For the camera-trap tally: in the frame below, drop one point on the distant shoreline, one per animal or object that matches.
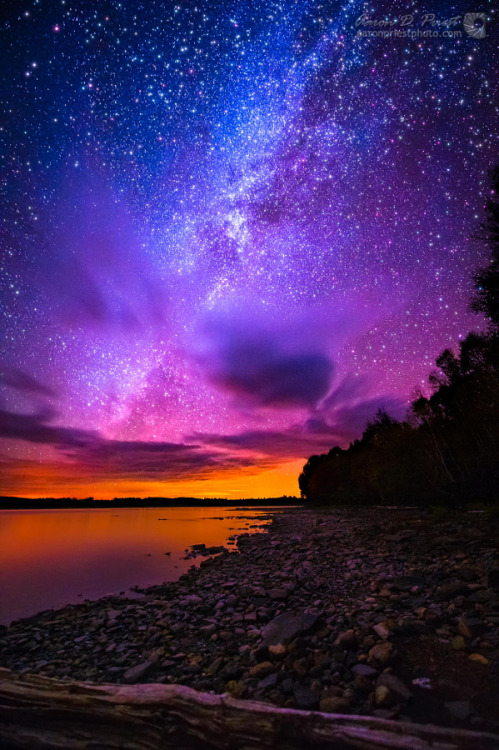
(22, 503)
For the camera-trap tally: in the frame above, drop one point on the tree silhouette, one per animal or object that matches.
(447, 450)
(486, 297)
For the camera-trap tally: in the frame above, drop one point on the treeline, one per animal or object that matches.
(446, 452)
(55, 503)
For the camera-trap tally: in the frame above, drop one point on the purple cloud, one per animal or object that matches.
(265, 362)
(24, 383)
(339, 419)
(93, 268)
(104, 458)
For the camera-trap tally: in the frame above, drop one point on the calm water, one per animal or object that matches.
(50, 558)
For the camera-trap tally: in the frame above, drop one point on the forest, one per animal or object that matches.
(446, 450)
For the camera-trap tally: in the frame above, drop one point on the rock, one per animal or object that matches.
(231, 671)
(287, 626)
(268, 681)
(458, 643)
(381, 630)
(364, 670)
(208, 629)
(262, 669)
(235, 688)
(479, 658)
(139, 672)
(334, 705)
(261, 653)
(395, 686)
(278, 650)
(191, 599)
(215, 550)
(305, 698)
(215, 665)
(381, 654)
(300, 667)
(278, 594)
(449, 590)
(464, 629)
(459, 709)
(423, 682)
(383, 697)
(346, 639)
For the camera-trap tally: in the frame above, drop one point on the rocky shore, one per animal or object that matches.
(380, 612)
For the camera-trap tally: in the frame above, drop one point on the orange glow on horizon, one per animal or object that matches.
(32, 480)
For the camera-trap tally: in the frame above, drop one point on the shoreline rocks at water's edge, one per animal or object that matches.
(370, 611)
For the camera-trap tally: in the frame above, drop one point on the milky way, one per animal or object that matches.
(231, 231)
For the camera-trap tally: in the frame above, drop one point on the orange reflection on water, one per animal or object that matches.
(49, 557)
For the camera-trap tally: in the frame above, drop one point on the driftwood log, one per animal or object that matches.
(38, 713)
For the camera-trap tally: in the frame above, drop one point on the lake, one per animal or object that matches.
(50, 558)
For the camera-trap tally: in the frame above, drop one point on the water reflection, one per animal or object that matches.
(50, 558)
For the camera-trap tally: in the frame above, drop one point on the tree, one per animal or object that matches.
(486, 299)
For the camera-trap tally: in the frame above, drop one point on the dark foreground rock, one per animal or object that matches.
(374, 612)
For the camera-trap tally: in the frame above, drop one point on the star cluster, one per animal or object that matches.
(230, 232)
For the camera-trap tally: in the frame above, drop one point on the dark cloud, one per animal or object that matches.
(36, 428)
(272, 444)
(24, 383)
(284, 366)
(271, 377)
(104, 458)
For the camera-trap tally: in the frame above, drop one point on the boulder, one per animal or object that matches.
(286, 626)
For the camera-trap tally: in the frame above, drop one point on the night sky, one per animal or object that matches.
(230, 232)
